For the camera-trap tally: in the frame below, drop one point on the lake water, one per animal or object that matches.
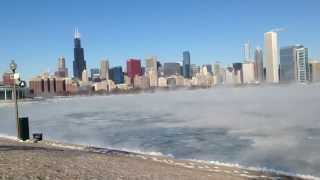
(276, 127)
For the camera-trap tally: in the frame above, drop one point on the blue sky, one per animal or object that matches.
(37, 32)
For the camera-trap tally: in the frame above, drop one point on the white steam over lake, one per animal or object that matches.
(275, 127)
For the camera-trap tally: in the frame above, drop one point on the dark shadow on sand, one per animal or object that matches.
(25, 148)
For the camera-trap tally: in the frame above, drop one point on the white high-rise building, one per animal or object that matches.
(152, 71)
(85, 77)
(248, 72)
(104, 70)
(271, 56)
(153, 78)
(229, 76)
(302, 64)
(247, 51)
(151, 64)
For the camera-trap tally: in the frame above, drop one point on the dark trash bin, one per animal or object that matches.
(37, 136)
(24, 128)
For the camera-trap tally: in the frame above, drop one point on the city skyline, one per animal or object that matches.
(203, 29)
(79, 57)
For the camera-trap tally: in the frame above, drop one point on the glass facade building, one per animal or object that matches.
(104, 69)
(186, 66)
(294, 64)
(258, 59)
(171, 69)
(302, 64)
(79, 64)
(287, 64)
(116, 75)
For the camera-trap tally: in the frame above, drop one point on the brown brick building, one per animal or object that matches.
(7, 79)
(41, 86)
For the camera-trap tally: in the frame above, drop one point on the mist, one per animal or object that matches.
(276, 127)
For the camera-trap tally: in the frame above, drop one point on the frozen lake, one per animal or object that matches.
(274, 127)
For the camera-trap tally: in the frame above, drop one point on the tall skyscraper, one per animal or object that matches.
(302, 64)
(95, 74)
(152, 71)
(133, 68)
(104, 69)
(288, 64)
(62, 70)
(294, 64)
(217, 73)
(84, 76)
(238, 72)
(61, 63)
(151, 64)
(248, 72)
(79, 64)
(171, 69)
(186, 67)
(229, 76)
(116, 75)
(258, 59)
(271, 56)
(247, 51)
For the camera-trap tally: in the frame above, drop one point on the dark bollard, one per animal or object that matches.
(24, 128)
(37, 136)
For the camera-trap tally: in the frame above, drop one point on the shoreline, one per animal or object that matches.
(151, 91)
(144, 164)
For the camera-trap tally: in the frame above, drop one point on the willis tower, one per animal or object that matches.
(79, 64)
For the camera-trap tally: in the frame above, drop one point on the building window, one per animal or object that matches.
(42, 85)
(64, 86)
(54, 85)
(48, 84)
(2, 95)
(9, 94)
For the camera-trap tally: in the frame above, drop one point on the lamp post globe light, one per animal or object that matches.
(13, 67)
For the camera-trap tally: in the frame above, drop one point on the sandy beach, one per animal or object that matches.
(52, 160)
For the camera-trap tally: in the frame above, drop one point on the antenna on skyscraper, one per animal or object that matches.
(76, 33)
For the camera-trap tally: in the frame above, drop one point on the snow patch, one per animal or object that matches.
(9, 137)
(259, 169)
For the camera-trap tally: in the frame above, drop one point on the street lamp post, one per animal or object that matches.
(13, 67)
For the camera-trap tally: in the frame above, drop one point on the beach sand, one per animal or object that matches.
(51, 160)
